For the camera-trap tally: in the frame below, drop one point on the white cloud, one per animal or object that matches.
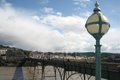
(111, 41)
(48, 11)
(59, 13)
(81, 0)
(36, 18)
(22, 31)
(86, 14)
(65, 23)
(42, 1)
(4, 3)
(50, 32)
(83, 3)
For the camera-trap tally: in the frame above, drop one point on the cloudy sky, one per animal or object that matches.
(56, 25)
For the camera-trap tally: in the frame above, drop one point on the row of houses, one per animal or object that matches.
(15, 54)
(11, 54)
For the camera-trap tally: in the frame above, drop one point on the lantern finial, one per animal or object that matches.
(97, 8)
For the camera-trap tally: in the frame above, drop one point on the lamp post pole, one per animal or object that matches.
(98, 59)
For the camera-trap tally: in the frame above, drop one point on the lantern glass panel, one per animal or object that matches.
(94, 28)
(93, 18)
(105, 28)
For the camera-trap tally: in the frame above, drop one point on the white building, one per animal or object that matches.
(3, 53)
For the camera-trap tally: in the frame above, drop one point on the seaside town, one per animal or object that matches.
(11, 56)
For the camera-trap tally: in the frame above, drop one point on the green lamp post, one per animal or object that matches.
(97, 25)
